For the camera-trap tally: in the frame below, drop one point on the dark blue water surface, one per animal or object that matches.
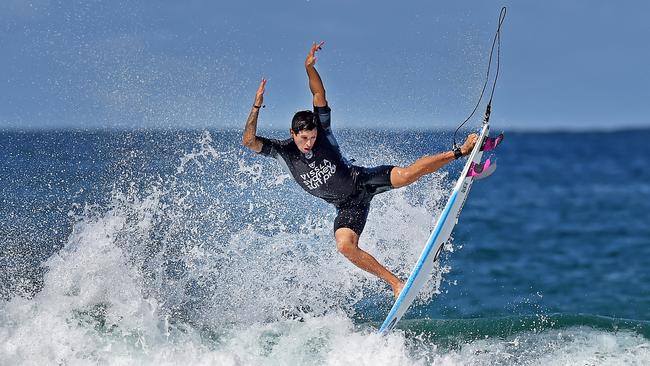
(562, 227)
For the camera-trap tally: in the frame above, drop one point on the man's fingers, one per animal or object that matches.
(316, 46)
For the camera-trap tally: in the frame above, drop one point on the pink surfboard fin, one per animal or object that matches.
(492, 142)
(480, 171)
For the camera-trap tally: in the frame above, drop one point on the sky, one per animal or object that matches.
(99, 64)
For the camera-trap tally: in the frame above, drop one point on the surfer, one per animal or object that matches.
(313, 158)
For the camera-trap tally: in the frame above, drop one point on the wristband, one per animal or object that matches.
(257, 106)
(457, 153)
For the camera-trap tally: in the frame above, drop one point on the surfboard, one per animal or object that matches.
(442, 230)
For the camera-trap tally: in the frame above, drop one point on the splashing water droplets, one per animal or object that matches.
(220, 245)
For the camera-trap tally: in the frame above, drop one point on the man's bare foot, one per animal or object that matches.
(469, 144)
(397, 289)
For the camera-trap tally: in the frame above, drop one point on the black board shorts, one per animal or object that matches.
(352, 213)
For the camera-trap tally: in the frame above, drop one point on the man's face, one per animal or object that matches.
(305, 139)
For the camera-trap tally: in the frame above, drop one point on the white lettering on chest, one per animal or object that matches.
(318, 175)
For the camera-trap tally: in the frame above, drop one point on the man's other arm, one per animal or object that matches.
(315, 82)
(250, 139)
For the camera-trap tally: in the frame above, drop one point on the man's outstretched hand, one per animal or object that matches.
(311, 57)
(259, 96)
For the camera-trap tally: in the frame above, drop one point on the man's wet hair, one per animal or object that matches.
(303, 120)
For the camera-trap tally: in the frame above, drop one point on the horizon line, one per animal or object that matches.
(604, 129)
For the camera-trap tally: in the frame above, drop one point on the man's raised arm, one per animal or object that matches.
(250, 139)
(315, 83)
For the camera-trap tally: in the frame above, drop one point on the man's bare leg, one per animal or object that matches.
(347, 242)
(403, 176)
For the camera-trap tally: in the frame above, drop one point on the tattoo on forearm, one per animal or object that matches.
(251, 124)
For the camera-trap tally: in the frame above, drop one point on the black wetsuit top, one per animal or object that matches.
(326, 173)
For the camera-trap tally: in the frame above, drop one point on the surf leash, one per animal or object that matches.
(496, 42)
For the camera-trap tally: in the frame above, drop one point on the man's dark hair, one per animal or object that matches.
(303, 120)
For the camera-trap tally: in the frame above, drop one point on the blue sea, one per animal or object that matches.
(183, 248)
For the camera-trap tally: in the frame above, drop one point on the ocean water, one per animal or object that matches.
(181, 247)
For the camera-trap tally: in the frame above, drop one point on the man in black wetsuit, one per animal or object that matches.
(314, 159)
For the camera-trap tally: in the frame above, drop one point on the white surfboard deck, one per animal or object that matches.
(439, 236)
